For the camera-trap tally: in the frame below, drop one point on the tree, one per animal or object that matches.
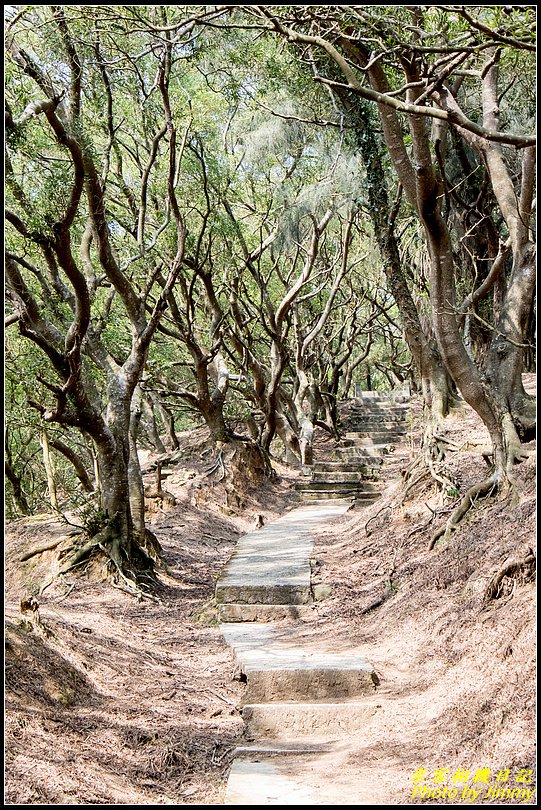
(65, 166)
(408, 71)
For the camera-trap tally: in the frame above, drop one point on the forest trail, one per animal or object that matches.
(141, 703)
(304, 700)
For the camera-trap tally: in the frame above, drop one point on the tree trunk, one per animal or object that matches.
(72, 456)
(49, 470)
(460, 366)
(135, 478)
(505, 359)
(436, 385)
(113, 463)
(168, 421)
(153, 432)
(16, 485)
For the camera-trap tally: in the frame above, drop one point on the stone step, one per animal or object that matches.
(273, 747)
(259, 783)
(348, 466)
(391, 414)
(315, 780)
(278, 668)
(377, 404)
(322, 496)
(377, 397)
(399, 428)
(362, 448)
(293, 721)
(337, 477)
(242, 612)
(373, 435)
(368, 442)
(363, 472)
(378, 425)
(271, 566)
(314, 495)
(357, 453)
(338, 486)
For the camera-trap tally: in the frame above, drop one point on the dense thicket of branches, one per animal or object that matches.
(236, 214)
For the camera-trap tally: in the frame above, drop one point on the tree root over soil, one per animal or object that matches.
(428, 464)
(513, 568)
(482, 489)
(108, 542)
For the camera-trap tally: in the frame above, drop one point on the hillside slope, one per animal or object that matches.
(111, 701)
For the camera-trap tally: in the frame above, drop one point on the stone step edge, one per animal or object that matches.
(252, 612)
(275, 682)
(277, 747)
(329, 494)
(319, 721)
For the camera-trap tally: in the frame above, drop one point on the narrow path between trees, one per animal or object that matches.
(303, 701)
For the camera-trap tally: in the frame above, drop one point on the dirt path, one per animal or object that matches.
(452, 717)
(133, 703)
(111, 701)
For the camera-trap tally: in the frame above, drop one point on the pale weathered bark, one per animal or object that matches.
(75, 460)
(77, 402)
(49, 471)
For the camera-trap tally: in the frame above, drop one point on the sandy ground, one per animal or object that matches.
(114, 701)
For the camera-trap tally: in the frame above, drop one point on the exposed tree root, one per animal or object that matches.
(40, 549)
(108, 542)
(511, 568)
(151, 546)
(480, 490)
(430, 461)
(218, 463)
(415, 481)
(374, 517)
(242, 460)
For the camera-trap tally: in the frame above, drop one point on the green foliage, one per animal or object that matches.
(93, 519)
(253, 174)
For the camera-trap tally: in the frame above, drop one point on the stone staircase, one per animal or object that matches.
(374, 423)
(305, 697)
(302, 697)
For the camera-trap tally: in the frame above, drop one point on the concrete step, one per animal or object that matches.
(314, 780)
(293, 721)
(338, 486)
(388, 411)
(376, 427)
(363, 448)
(372, 415)
(335, 477)
(399, 428)
(271, 566)
(242, 612)
(271, 748)
(372, 435)
(352, 495)
(377, 405)
(366, 462)
(259, 783)
(366, 444)
(356, 454)
(379, 397)
(279, 668)
(363, 472)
